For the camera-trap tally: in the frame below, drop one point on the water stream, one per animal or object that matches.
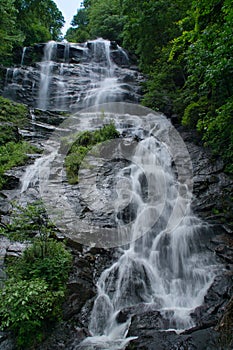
(164, 265)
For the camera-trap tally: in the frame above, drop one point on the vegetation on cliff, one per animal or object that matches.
(31, 300)
(185, 48)
(13, 150)
(84, 142)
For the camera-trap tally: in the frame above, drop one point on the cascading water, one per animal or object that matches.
(164, 266)
(45, 75)
(23, 55)
(74, 76)
(166, 269)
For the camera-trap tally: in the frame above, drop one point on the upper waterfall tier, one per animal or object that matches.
(70, 77)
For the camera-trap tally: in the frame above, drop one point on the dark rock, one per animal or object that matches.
(80, 292)
(5, 207)
(159, 340)
(11, 182)
(16, 249)
(215, 301)
(6, 341)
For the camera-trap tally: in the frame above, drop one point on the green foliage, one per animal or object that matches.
(27, 307)
(218, 133)
(13, 151)
(149, 27)
(206, 50)
(44, 259)
(13, 154)
(194, 112)
(84, 141)
(106, 19)
(25, 22)
(31, 300)
(29, 221)
(79, 31)
(97, 19)
(13, 112)
(77, 35)
(9, 35)
(39, 20)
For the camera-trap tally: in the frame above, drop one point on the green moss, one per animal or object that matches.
(83, 143)
(13, 112)
(13, 154)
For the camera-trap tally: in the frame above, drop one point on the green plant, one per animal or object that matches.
(218, 133)
(28, 222)
(13, 112)
(13, 154)
(31, 300)
(83, 143)
(44, 259)
(26, 307)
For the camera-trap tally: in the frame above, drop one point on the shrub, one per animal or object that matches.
(28, 222)
(31, 300)
(83, 143)
(47, 260)
(218, 133)
(26, 307)
(13, 154)
(13, 112)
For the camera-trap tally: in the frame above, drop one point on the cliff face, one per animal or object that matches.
(73, 77)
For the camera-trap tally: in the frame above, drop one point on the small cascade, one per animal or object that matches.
(23, 55)
(31, 176)
(8, 71)
(45, 75)
(67, 52)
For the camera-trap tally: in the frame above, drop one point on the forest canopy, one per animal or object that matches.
(25, 22)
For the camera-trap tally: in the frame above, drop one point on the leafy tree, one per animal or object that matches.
(98, 19)
(79, 31)
(9, 35)
(39, 20)
(106, 19)
(206, 51)
(27, 307)
(149, 27)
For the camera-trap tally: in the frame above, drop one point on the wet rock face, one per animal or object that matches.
(66, 72)
(212, 188)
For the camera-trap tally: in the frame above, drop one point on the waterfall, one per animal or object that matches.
(67, 52)
(23, 55)
(167, 269)
(71, 77)
(45, 75)
(164, 265)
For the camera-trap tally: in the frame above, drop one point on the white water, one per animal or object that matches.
(166, 269)
(45, 75)
(23, 55)
(165, 265)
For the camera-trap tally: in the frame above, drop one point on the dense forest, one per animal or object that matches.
(185, 49)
